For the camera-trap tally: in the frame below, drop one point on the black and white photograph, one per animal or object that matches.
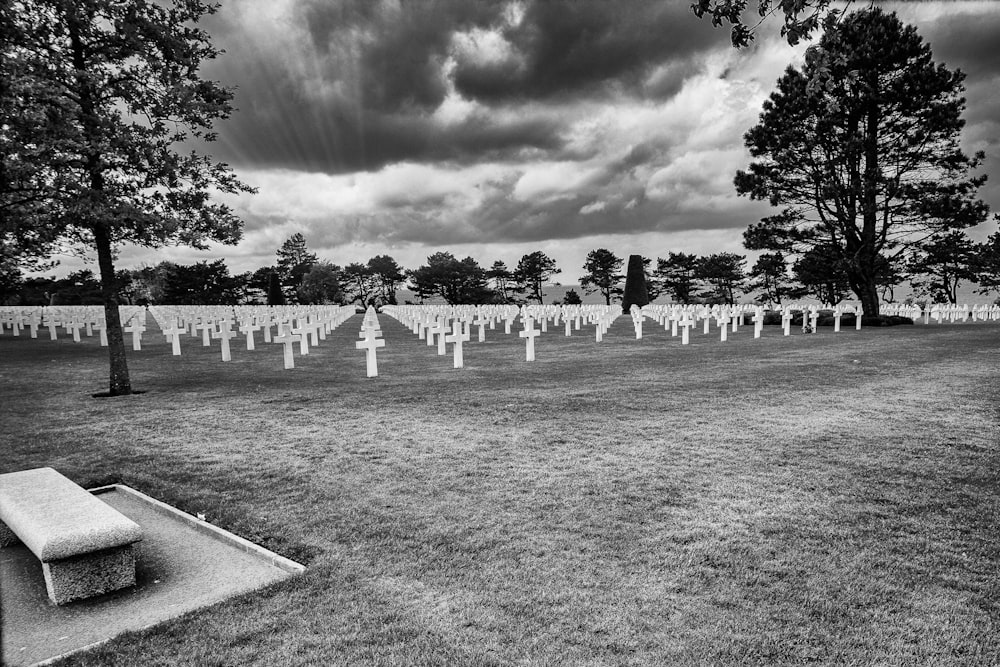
(499, 332)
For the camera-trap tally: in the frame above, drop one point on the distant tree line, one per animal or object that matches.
(298, 276)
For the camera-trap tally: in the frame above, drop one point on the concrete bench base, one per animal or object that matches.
(90, 574)
(85, 546)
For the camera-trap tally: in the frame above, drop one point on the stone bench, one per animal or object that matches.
(85, 545)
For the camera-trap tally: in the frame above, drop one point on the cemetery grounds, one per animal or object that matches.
(826, 498)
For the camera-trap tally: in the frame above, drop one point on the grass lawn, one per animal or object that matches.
(827, 498)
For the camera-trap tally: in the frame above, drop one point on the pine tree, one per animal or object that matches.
(861, 148)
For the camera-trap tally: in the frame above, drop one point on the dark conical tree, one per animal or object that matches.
(275, 297)
(636, 291)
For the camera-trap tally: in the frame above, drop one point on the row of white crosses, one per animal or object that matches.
(305, 325)
(728, 318)
(954, 313)
(75, 320)
(370, 342)
(453, 324)
(682, 319)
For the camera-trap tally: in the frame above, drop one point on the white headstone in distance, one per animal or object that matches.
(247, 329)
(302, 331)
(224, 334)
(480, 323)
(685, 324)
(135, 328)
(457, 337)
(369, 345)
(173, 336)
(529, 334)
(206, 326)
(288, 340)
(441, 330)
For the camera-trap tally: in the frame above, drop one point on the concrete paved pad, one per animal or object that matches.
(182, 564)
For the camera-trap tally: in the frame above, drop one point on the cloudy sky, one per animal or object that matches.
(494, 129)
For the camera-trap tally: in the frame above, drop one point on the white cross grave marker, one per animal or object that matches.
(458, 336)
(288, 340)
(224, 333)
(247, 329)
(685, 324)
(173, 336)
(529, 334)
(369, 345)
(135, 328)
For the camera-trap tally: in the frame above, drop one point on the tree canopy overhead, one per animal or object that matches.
(800, 17)
(861, 149)
(97, 98)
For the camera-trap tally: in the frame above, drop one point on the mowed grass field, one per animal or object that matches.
(827, 498)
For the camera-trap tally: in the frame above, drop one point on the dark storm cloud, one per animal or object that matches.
(402, 48)
(353, 85)
(338, 140)
(573, 47)
(971, 46)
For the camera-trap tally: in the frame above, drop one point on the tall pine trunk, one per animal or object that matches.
(870, 247)
(120, 384)
(868, 295)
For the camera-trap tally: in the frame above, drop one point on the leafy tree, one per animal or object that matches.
(148, 282)
(78, 288)
(822, 275)
(388, 275)
(635, 292)
(769, 276)
(801, 17)
(11, 281)
(201, 284)
(941, 265)
(455, 281)
(504, 284)
(724, 274)
(677, 274)
(294, 262)
(572, 298)
(322, 284)
(861, 148)
(602, 274)
(360, 284)
(257, 283)
(97, 99)
(654, 284)
(888, 275)
(987, 264)
(128, 290)
(533, 271)
(36, 291)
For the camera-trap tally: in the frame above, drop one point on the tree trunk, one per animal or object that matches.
(120, 384)
(868, 256)
(867, 292)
